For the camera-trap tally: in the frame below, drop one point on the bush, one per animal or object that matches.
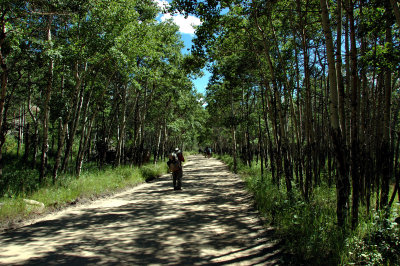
(149, 172)
(229, 161)
(18, 182)
(307, 228)
(374, 242)
(69, 189)
(10, 145)
(309, 231)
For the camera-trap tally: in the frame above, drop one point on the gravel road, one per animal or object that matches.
(211, 221)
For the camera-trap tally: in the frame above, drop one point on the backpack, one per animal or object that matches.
(174, 164)
(180, 157)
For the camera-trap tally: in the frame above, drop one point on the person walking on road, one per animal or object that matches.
(175, 166)
(208, 152)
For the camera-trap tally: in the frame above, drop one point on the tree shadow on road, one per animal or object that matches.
(209, 222)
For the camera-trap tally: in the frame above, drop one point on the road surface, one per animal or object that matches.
(211, 221)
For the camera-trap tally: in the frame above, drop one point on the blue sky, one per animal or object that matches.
(188, 33)
(199, 83)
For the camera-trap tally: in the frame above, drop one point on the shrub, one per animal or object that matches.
(18, 182)
(307, 229)
(376, 241)
(69, 189)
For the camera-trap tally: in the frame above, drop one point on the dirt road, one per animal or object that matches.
(211, 221)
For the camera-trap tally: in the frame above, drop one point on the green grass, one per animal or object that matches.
(68, 189)
(376, 240)
(309, 232)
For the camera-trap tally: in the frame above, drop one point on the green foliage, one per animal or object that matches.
(10, 145)
(376, 241)
(149, 172)
(69, 189)
(11, 209)
(309, 231)
(229, 161)
(307, 228)
(113, 64)
(89, 185)
(18, 182)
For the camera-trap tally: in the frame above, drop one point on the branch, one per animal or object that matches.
(50, 13)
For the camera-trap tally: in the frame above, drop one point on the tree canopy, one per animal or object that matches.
(91, 81)
(310, 88)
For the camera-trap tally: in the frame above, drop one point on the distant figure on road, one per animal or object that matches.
(208, 152)
(175, 166)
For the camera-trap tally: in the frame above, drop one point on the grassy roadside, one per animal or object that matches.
(309, 232)
(70, 190)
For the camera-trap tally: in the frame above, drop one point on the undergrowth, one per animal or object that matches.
(69, 189)
(309, 231)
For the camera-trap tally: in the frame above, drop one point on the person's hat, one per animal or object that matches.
(176, 149)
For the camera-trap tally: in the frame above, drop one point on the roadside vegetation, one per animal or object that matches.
(92, 183)
(309, 231)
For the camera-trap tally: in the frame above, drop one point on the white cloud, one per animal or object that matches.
(161, 3)
(186, 25)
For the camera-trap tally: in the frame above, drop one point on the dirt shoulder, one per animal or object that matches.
(211, 221)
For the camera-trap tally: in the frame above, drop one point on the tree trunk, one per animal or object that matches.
(122, 126)
(308, 113)
(260, 146)
(85, 129)
(386, 147)
(282, 144)
(46, 111)
(233, 132)
(20, 127)
(63, 130)
(339, 75)
(86, 140)
(157, 150)
(4, 83)
(27, 143)
(354, 120)
(76, 115)
(61, 139)
(396, 11)
(342, 181)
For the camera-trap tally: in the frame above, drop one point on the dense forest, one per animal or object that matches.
(306, 90)
(90, 81)
(309, 88)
